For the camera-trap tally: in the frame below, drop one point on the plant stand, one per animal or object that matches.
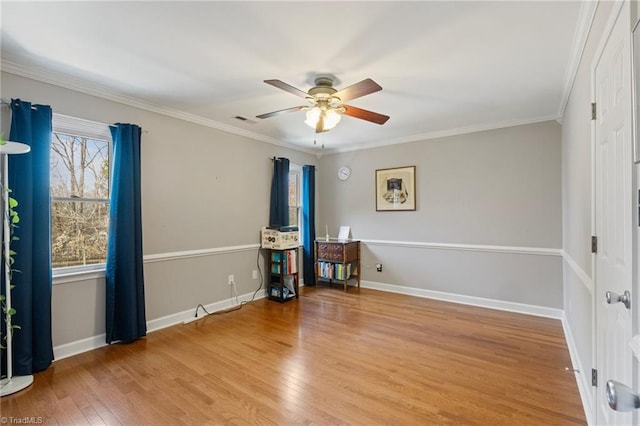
(11, 384)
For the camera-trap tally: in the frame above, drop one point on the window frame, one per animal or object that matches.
(297, 170)
(78, 127)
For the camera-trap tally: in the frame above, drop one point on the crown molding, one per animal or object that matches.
(61, 80)
(583, 28)
(446, 133)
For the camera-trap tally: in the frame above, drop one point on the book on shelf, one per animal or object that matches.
(292, 261)
(325, 269)
(343, 271)
(285, 261)
(338, 271)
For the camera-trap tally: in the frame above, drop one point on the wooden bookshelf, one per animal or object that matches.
(337, 261)
(283, 275)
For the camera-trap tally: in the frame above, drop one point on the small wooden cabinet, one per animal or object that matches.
(283, 274)
(337, 261)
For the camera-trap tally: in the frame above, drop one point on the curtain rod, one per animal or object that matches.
(8, 103)
(141, 129)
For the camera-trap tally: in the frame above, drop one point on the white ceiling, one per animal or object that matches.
(445, 67)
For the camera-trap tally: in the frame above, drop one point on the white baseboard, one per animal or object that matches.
(540, 311)
(79, 346)
(583, 377)
(74, 348)
(190, 315)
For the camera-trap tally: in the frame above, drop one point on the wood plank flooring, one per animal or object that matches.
(365, 357)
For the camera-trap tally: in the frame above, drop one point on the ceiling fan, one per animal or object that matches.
(326, 103)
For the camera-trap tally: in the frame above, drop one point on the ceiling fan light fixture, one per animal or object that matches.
(330, 116)
(331, 119)
(313, 115)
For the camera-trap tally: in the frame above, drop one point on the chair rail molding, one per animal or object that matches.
(540, 251)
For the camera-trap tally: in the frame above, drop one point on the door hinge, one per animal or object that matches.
(594, 377)
(594, 244)
(593, 110)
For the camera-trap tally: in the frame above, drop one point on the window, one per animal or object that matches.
(80, 174)
(295, 196)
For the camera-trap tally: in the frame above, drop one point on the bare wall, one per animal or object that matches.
(493, 188)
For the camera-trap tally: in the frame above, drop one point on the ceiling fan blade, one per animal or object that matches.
(271, 114)
(363, 88)
(363, 114)
(287, 88)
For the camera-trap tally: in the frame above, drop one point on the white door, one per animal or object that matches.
(613, 211)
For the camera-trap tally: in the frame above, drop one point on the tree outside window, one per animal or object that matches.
(79, 171)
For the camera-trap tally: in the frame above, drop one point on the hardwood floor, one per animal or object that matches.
(365, 357)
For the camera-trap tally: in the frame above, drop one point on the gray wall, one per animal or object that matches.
(493, 188)
(202, 189)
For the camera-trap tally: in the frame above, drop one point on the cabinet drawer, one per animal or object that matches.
(330, 247)
(337, 252)
(330, 251)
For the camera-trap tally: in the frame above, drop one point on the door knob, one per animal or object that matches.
(615, 298)
(620, 397)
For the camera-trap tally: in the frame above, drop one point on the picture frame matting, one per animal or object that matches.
(396, 189)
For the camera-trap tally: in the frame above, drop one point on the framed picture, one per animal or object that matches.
(396, 189)
(635, 81)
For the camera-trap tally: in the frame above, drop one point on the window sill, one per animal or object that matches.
(76, 274)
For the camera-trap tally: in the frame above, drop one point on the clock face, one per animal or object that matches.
(344, 172)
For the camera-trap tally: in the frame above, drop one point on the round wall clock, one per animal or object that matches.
(344, 172)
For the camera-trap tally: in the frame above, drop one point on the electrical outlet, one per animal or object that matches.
(379, 267)
(231, 280)
(254, 274)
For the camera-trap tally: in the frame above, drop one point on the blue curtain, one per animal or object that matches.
(29, 182)
(125, 316)
(279, 208)
(308, 223)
